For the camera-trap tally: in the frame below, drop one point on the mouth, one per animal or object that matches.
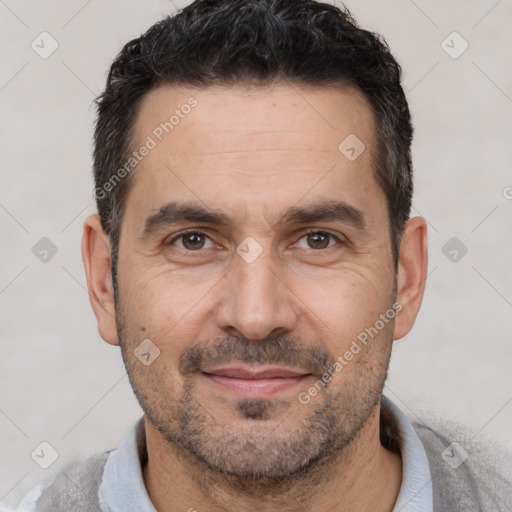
(254, 383)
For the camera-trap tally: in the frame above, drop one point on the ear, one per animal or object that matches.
(98, 269)
(412, 274)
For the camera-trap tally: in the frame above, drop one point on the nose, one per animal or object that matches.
(256, 301)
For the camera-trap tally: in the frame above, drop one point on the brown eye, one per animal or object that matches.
(191, 241)
(319, 240)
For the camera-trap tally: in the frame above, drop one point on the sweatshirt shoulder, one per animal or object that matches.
(469, 471)
(73, 489)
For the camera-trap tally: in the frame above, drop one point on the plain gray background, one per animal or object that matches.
(63, 385)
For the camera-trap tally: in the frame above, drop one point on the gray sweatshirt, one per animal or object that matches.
(465, 474)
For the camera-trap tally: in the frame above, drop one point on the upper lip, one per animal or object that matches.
(239, 372)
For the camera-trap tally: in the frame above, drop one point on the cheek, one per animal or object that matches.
(164, 307)
(342, 306)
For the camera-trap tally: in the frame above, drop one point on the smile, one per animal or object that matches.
(255, 383)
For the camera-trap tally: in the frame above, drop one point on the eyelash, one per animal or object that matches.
(309, 232)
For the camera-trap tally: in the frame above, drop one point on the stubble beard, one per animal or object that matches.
(263, 451)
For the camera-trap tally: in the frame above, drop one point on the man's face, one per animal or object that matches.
(289, 261)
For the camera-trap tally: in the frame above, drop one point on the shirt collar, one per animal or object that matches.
(416, 489)
(122, 488)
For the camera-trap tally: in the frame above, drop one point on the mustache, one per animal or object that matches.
(271, 350)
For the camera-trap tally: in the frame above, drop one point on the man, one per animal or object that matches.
(254, 259)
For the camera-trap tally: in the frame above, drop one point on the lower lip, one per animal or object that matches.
(256, 387)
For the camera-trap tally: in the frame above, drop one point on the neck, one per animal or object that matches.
(364, 476)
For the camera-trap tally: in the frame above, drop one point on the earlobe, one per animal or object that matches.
(98, 270)
(412, 273)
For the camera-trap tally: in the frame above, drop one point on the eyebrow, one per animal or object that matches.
(325, 211)
(175, 212)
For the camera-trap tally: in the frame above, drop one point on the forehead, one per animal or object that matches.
(252, 146)
(254, 114)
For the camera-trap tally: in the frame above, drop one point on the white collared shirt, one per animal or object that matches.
(122, 488)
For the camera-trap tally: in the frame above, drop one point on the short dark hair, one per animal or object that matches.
(254, 42)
